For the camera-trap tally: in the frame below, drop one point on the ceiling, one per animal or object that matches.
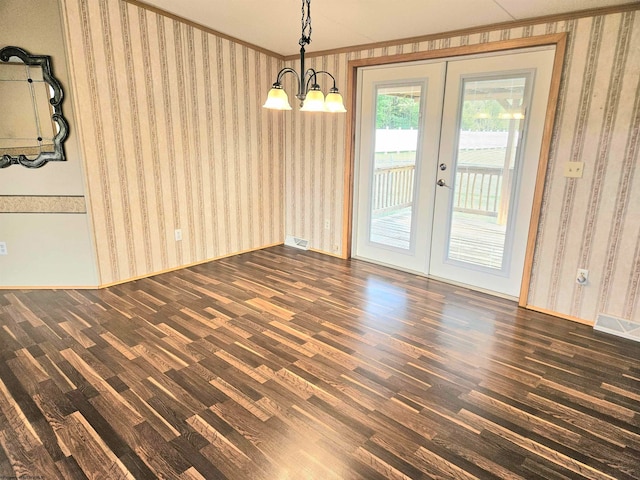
(275, 24)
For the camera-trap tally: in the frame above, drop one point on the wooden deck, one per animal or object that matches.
(474, 239)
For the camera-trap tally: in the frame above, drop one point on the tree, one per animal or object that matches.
(483, 116)
(403, 112)
(394, 111)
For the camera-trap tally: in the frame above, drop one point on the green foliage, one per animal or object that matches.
(398, 112)
(393, 111)
(474, 110)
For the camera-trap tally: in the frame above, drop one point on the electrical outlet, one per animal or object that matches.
(3, 248)
(573, 169)
(178, 234)
(582, 277)
(327, 224)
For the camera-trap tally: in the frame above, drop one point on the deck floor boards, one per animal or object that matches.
(288, 364)
(473, 239)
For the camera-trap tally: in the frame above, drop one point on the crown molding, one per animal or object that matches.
(403, 41)
(472, 30)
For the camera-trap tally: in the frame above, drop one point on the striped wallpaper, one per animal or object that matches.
(315, 165)
(174, 137)
(591, 223)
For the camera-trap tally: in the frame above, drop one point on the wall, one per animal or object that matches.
(174, 137)
(315, 163)
(43, 215)
(590, 223)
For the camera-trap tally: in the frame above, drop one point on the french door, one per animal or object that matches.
(446, 161)
(400, 116)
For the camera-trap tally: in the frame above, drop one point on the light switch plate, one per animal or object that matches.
(573, 169)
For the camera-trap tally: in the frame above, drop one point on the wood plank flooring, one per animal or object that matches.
(283, 364)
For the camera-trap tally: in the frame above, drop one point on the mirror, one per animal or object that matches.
(32, 128)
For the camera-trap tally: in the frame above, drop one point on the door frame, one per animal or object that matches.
(559, 40)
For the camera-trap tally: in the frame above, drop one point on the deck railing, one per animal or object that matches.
(392, 187)
(479, 189)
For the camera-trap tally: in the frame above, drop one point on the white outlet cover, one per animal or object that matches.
(582, 273)
(3, 248)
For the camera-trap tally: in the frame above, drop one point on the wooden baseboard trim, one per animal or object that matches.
(50, 287)
(334, 255)
(560, 315)
(120, 282)
(200, 262)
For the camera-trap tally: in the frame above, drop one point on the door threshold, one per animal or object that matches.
(474, 288)
(389, 265)
(439, 279)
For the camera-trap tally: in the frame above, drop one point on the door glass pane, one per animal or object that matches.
(396, 144)
(491, 119)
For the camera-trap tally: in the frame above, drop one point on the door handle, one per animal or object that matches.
(441, 183)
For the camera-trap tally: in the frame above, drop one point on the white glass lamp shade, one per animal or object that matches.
(313, 102)
(333, 103)
(277, 99)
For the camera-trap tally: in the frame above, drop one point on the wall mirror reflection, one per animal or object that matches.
(32, 128)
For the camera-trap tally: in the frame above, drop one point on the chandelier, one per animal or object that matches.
(311, 97)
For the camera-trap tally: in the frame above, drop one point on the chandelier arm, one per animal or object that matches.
(300, 95)
(315, 73)
(286, 70)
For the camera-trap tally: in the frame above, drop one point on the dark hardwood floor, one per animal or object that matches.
(283, 364)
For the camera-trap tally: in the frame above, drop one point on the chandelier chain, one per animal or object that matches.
(305, 39)
(309, 93)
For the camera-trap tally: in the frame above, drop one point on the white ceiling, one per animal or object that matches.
(275, 24)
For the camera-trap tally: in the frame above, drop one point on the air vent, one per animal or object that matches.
(296, 242)
(618, 326)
